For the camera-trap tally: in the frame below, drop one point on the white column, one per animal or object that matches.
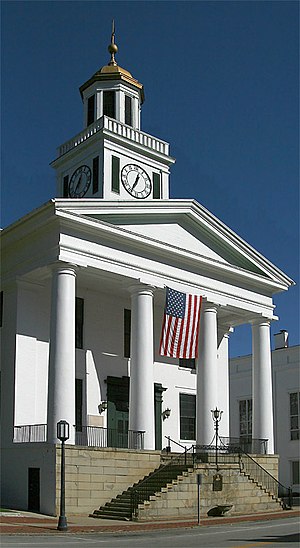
(141, 393)
(120, 106)
(61, 383)
(207, 374)
(262, 404)
(99, 104)
(223, 383)
(135, 113)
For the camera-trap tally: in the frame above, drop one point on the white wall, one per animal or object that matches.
(31, 366)
(285, 380)
(15, 462)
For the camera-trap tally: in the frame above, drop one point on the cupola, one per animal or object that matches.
(112, 91)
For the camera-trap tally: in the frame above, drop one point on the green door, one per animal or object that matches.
(117, 411)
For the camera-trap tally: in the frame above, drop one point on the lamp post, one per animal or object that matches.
(216, 415)
(63, 429)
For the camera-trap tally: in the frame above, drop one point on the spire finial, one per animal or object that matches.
(112, 48)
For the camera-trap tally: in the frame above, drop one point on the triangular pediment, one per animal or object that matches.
(180, 226)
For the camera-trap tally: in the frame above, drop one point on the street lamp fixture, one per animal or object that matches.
(216, 415)
(166, 414)
(63, 434)
(102, 407)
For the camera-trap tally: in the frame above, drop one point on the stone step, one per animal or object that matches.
(110, 516)
(122, 505)
(119, 514)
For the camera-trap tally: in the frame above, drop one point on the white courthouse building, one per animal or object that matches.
(84, 280)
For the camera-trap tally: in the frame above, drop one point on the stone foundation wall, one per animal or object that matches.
(94, 476)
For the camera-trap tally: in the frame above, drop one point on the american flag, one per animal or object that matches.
(179, 337)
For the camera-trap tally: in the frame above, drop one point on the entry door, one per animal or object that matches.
(117, 411)
(34, 489)
(117, 421)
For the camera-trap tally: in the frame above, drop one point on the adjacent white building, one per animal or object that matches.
(83, 292)
(286, 402)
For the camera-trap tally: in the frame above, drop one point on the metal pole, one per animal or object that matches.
(217, 432)
(199, 480)
(62, 520)
(290, 498)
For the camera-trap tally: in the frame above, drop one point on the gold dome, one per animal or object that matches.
(112, 71)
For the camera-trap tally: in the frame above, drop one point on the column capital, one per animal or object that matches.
(261, 322)
(141, 289)
(208, 306)
(67, 268)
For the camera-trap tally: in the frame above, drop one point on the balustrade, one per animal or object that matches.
(119, 129)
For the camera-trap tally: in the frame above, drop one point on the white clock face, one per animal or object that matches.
(136, 181)
(80, 182)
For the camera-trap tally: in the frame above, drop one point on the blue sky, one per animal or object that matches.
(221, 85)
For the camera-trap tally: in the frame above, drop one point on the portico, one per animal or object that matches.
(217, 322)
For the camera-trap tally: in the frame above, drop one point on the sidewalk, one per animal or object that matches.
(15, 523)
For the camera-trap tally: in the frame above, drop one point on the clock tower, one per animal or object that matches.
(112, 159)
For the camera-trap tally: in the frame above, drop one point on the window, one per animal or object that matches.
(190, 363)
(109, 107)
(79, 312)
(156, 185)
(78, 404)
(66, 186)
(90, 110)
(294, 415)
(1, 308)
(295, 472)
(245, 414)
(127, 332)
(95, 174)
(187, 405)
(115, 172)
(128, 110)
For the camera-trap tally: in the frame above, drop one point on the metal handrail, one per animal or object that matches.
(248, 465)
(247, 444)
(176, 442)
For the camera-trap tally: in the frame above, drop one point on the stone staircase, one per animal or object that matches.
(171, 492)
(179, 500)
(124, 506)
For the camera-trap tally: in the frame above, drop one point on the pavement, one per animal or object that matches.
(14, 522)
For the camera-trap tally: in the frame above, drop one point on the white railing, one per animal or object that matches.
(89, 436)
(30, 433)
(117, 128)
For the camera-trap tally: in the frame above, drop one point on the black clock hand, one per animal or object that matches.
(78, 184)
(135, 182)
